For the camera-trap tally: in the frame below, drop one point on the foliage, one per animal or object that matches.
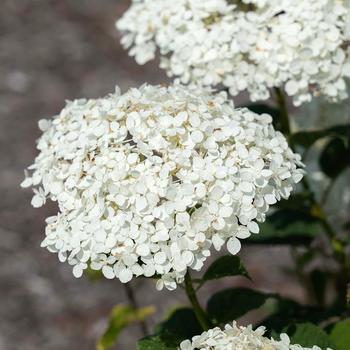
(335, 157)
(181, 324)
(224, 266)
(298, 221)
(121, 317)
(287, 226)
(308, 335)
(230, 304)
(340, 335)
(153, 342)
(293, 223)
(307, 138)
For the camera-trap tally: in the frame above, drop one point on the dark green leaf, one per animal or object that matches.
(308, 138)
(230, 304)
(340, 335)
(261, 108)
(121, 316)
(308, 335)
(301, 201)
(180, 325)
(153, 342)
(287, 226)
(288, 312)
(224, 266)
(335, 157)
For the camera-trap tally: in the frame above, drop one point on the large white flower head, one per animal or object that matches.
(240, 338)
(148, 181)
(252, 45)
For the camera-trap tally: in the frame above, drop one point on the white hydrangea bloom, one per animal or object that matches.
(148, 181)
(240, 338)
(251, 45)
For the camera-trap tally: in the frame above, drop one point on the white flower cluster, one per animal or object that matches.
(240, 338)
(251, 45)
(148, 181)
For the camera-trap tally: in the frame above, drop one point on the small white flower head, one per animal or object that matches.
(147, 182)
(240, 338)
(251, 45)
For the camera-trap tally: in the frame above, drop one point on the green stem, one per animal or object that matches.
(199, 312)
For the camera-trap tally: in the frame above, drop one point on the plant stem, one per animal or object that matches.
(133, 302)
(199, 312)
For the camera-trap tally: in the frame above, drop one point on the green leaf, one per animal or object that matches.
(335, 157)
(261, 108)
(340, 335)
(121, 316)
(230, 304)
(287, 226)
(288, 312)
(308, 138)
(224, 266)
(180, 325)
(308, 335)
(153, 342)
(301, 201)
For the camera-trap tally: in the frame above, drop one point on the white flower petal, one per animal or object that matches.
(234, 245)
(148, 181)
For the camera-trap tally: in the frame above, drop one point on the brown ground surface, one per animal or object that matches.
(51, 51)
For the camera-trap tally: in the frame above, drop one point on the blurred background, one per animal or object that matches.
(51, 51)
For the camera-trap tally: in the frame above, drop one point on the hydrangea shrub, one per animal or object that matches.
(148, 183)
(250, 45)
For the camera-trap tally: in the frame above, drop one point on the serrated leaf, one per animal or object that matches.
(340, 335)
(224, 266)
(308, 335)
(181, 324)
(230, 304)
(121, 316)
(335, 157)
(287, 226)
(308, 138)
(153, 342)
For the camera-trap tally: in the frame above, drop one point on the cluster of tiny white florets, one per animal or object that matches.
(251, 45)
(240, 338)
(148, 181)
